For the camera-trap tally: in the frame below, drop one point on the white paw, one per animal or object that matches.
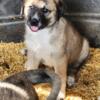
(61, 96)
(23, 51)
(28, 66)
(73, 98)
(71, 81)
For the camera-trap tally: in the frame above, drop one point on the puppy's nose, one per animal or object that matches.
(34, 22)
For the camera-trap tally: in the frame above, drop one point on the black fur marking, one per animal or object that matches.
(25, 79)
(59, 7)
(44, 21)
(41, 18)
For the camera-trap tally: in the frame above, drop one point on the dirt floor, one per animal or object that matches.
(87, 87)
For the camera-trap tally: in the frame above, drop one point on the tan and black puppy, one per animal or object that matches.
(52, 40)
(19, 86)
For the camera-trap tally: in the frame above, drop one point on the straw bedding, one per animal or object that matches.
(87, 87)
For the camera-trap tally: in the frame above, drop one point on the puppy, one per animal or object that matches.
(52, 40)
(19, 86)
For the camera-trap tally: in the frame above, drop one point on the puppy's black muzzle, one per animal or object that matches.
(34, 22)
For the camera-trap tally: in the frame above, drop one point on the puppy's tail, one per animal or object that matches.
(40, 76)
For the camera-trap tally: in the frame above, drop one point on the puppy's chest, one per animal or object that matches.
(40, 43)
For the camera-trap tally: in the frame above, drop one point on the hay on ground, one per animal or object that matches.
(87, 87)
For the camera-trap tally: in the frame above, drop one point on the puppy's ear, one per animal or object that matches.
(22, 8)
(57, 1)
(60, 9)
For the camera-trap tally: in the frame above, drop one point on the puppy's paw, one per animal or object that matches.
(28, 66)
(61, 96)
(73, 98)
(71, 81)
(23, 51)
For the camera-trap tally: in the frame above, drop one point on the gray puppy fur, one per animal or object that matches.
(20, 85)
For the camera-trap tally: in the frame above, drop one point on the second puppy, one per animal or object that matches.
(19, 86)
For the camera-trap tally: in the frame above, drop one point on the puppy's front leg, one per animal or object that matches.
(32, 62)
(61, 70)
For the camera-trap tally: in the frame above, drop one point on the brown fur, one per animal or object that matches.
(66, 43)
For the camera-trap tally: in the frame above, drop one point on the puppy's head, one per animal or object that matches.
(40, 14)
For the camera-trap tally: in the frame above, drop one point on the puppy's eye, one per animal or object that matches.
(45, 10)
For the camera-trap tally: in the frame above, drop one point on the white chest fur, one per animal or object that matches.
(39, 42)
